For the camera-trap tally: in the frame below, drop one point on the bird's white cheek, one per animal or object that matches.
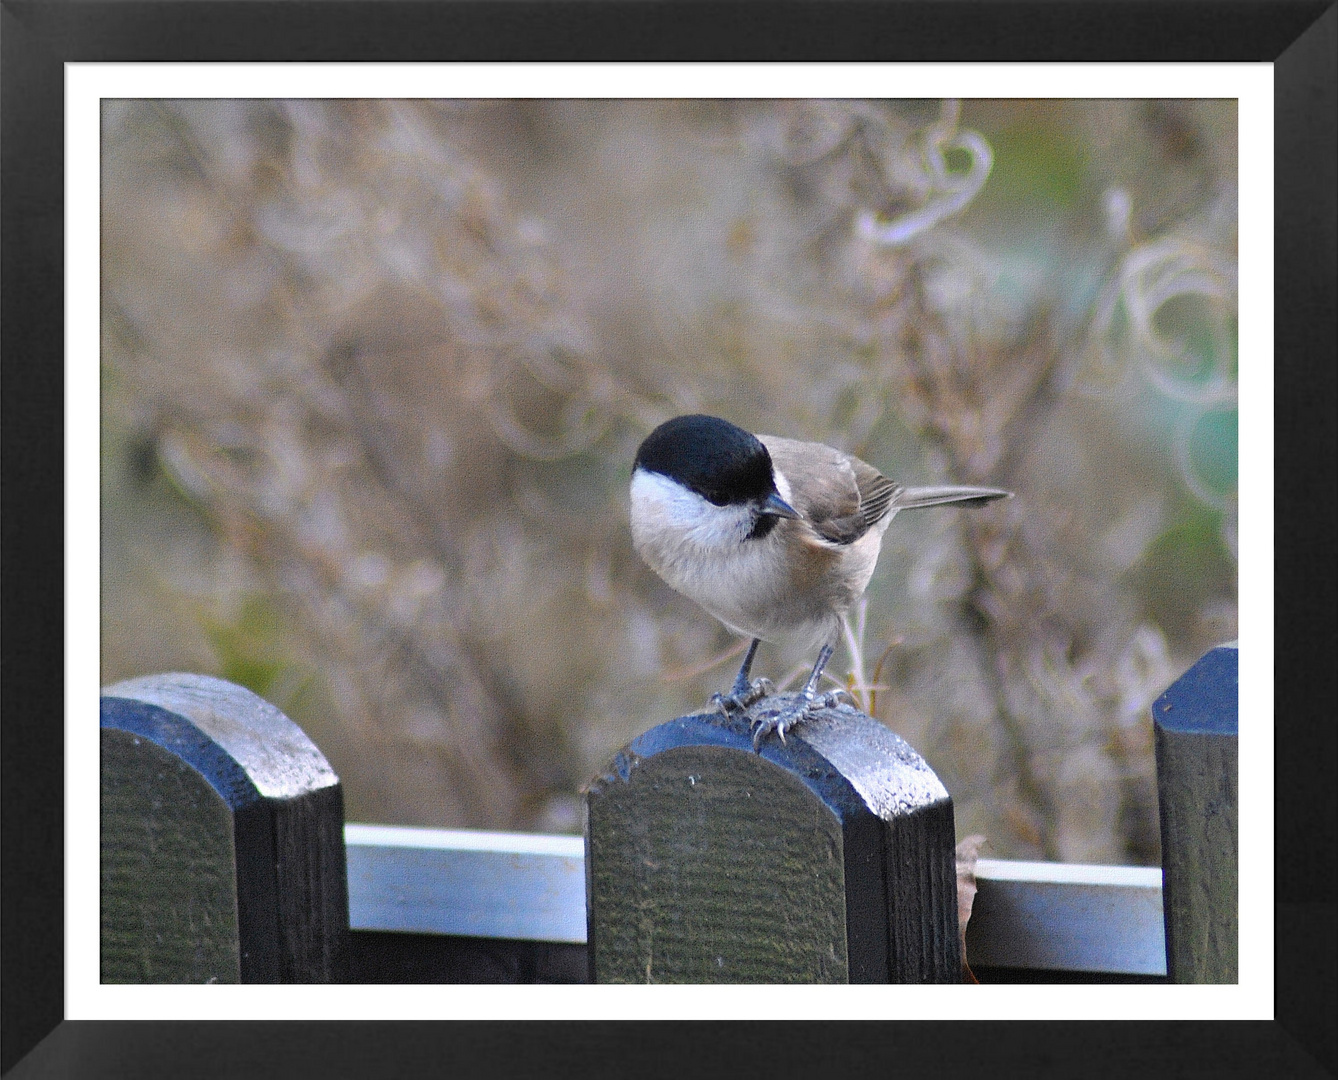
(669, 518)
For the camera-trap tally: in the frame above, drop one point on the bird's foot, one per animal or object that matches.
(741, 699)
(794, 712)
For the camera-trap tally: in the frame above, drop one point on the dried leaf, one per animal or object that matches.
(967, 853)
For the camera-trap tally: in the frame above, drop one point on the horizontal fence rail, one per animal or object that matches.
(1063, 917)
(517, 886)
(1067, 917)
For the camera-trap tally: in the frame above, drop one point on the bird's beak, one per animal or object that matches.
(775, 506)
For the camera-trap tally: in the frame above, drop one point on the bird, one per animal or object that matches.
(774, 537)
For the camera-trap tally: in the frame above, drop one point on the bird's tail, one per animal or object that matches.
(915, 497)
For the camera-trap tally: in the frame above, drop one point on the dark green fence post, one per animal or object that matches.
(222, 839)
(827, 859)
(1195, 726)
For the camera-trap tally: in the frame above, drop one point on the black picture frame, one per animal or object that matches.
(37, 38)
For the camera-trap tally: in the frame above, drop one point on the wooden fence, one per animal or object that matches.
(225, 858)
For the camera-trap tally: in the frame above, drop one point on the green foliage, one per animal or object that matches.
(1214, 451)
(1035, 166)
(250, 649)
(1183, 564)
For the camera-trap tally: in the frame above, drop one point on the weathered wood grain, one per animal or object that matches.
(169, 892)
(207, 787)
(826, 859)
(1195, 726)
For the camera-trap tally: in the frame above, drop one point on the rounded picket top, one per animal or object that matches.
(222, 839)
(829, 858)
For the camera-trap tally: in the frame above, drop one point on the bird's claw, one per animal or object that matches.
(740, 702)
(779, 722)
(794, 713)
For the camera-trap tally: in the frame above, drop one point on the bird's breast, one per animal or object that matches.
(783, 586)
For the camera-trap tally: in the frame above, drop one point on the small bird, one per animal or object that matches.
(776, 538)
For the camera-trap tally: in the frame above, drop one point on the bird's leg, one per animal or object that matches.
(741, 681)
(744, 693)
(818, 701)
(810, 701)
(811, 686)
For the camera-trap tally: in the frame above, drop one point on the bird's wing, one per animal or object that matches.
(840, 496)
(877, 494)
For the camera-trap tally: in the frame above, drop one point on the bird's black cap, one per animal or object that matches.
(718, 460)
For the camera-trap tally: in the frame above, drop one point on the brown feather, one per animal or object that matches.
(840, 496)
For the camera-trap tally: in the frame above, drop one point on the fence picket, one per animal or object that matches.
(827, 859)
(222, 839)
(1195, 725)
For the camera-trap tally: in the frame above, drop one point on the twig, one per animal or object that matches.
(878, 672)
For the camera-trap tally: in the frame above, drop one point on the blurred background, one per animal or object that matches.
(373, 374)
